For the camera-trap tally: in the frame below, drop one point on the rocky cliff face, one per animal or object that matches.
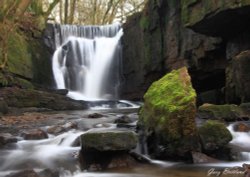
(28, 60)
(202, 35)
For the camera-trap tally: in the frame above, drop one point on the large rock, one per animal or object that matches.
(6, 138)
(238, 80)
(102, 149)
(216, 18)
(169, 111)
(35, 134)
(241, 127)
(214, 136)
(229, 112)
(109, 140)
(24, 98)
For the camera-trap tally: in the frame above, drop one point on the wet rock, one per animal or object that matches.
(23, 98)
(49, 173)
(238, 81)
(199, 157)
(214, 136)
(62, 128)
(104, 149)
(6, 138)
(228, 112)
(123, 120)
(140, 158)
(95, 115)
(3, 107)
(61, 91)
(93, 160)
(35, 134)
(25, 173)
(109, 140)
(241, 127)
(168, 116)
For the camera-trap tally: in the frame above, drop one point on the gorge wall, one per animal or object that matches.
(28, 60)
(206, 36)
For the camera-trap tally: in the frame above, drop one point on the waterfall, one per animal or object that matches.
(86, 61)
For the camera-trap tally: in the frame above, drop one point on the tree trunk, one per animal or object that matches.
(66, 5)
(72, 11)
(51, 7)
(22, 6)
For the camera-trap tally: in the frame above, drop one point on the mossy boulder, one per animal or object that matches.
(169, 112)
(107, 149)
(228, 112)
(109, 140)
(214, 135)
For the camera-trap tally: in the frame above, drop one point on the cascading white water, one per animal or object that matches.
(242, 141)
(86, 61)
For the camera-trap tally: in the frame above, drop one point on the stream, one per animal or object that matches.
(60, 152)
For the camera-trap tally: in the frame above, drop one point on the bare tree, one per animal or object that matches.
(96, 12)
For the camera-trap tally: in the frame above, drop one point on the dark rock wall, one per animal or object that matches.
(28, 61)
(156, 41)
(230, 21)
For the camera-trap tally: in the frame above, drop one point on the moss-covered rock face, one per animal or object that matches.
(19, 58)
(221, 112)
(25, 98)
(109, 140)
(206, 16)
(28, 60)
(214, 135)
(169, 110)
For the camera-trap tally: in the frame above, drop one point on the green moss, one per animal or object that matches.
(109, 140)
(19, 57)
(170, 105)
(220, 112)
(7, 79)
(144, 23)
(214, 135)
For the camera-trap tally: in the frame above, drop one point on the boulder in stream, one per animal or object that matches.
(56, 129)
(102, 149)
(168, 117)
(241, 127)
(227, 112)
(214, 136)
(35, 134)
(109, 140)
(6, 138)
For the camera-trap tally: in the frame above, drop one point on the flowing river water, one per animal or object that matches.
(60, 152)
